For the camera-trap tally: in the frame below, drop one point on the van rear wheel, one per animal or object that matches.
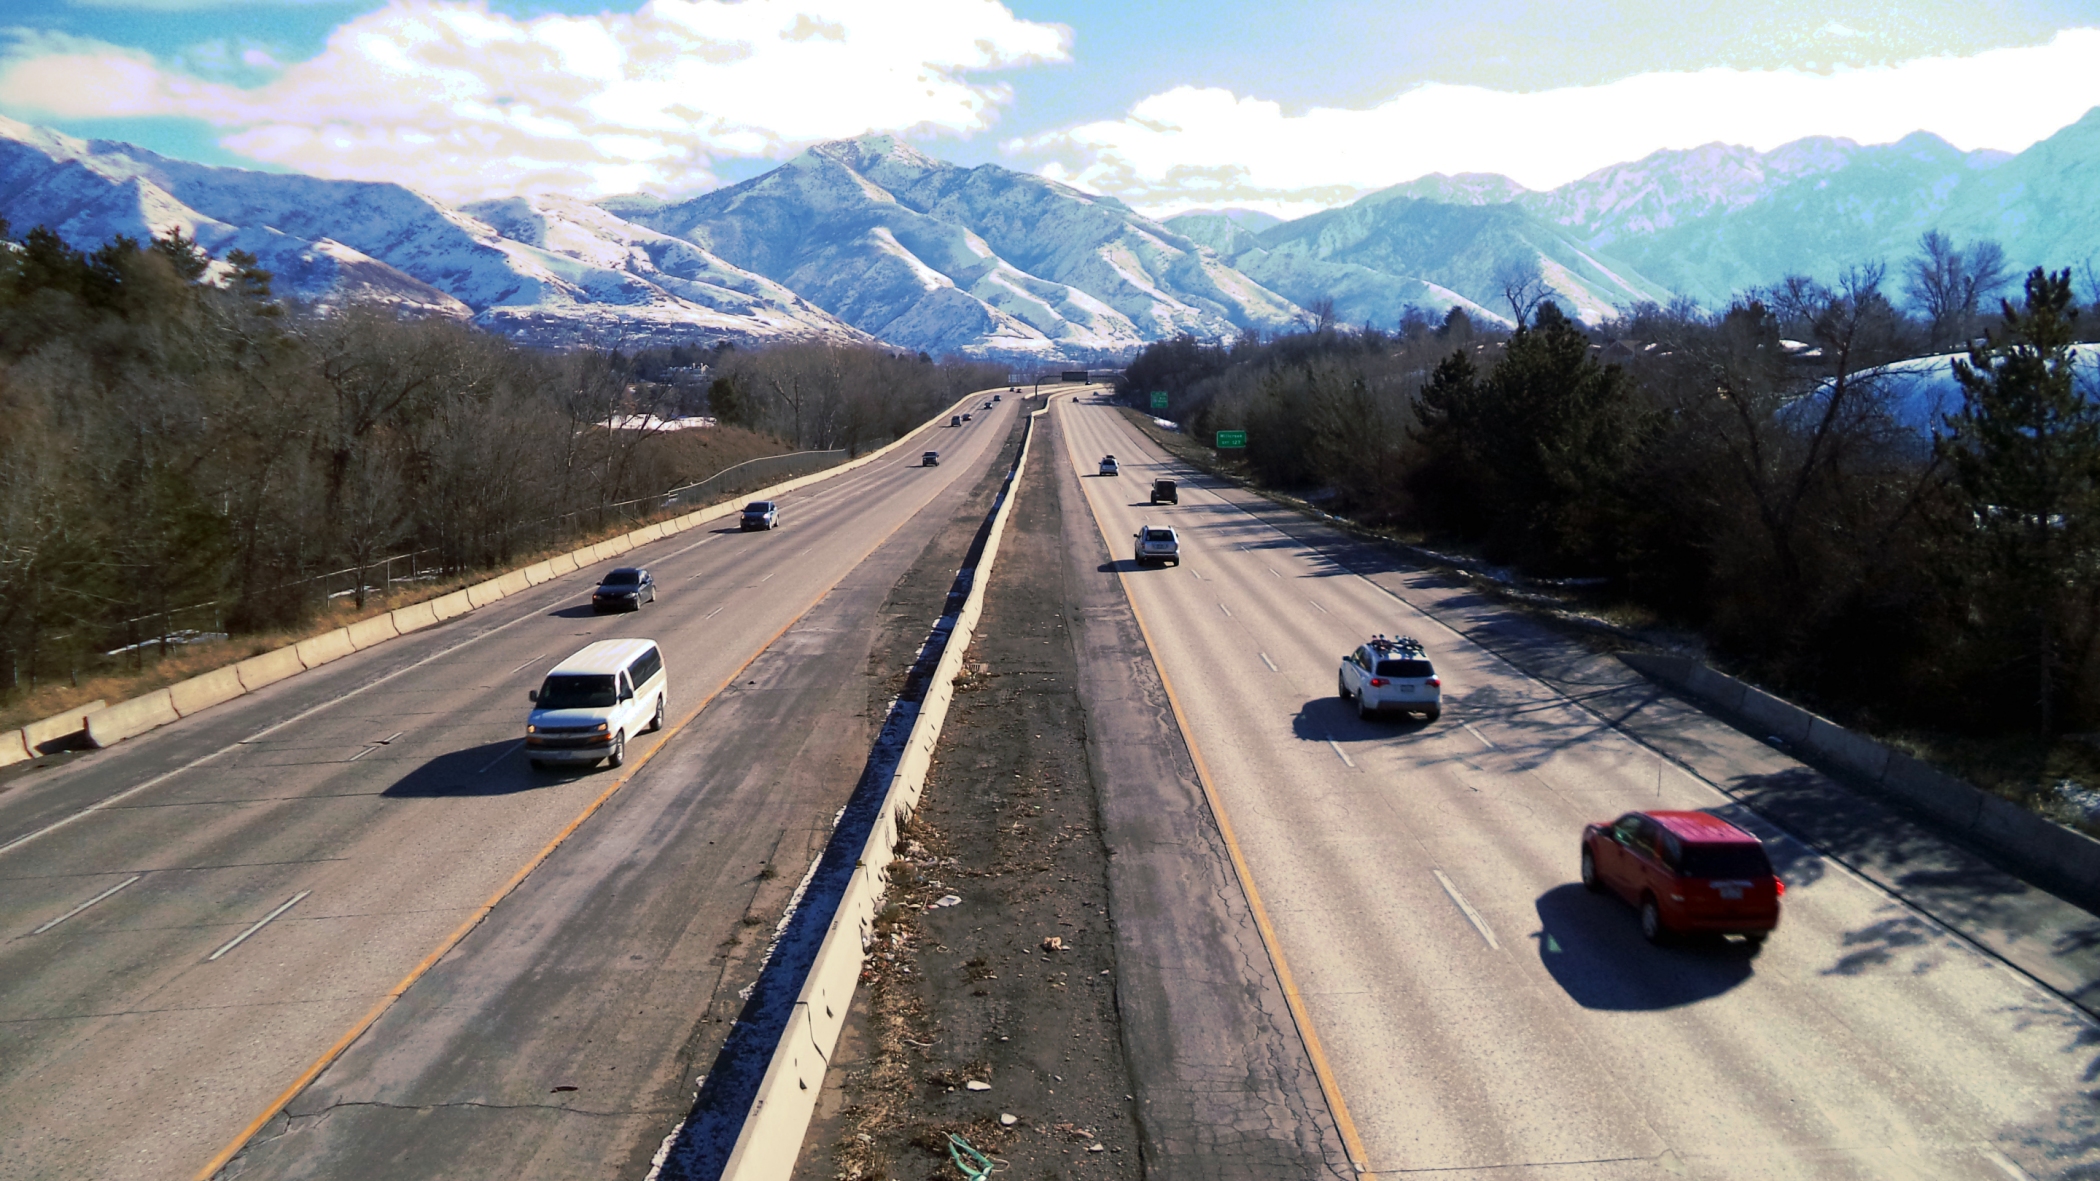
(619, 751)
(657, 723)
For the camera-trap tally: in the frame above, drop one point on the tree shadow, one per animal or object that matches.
(491, 769)
(1592, 947)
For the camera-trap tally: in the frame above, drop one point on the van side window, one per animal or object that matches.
(647, 665)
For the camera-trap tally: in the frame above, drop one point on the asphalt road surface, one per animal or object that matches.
(1484, 1016)
(366, 809)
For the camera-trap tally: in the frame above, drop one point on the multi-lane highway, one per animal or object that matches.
(169, 964)
(1483, 1015)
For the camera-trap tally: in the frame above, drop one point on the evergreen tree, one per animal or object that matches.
(2025, 448)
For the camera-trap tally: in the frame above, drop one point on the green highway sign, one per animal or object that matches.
(1159, 399)
(1227, 440)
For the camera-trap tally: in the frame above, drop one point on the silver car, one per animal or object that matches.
(1391, 676)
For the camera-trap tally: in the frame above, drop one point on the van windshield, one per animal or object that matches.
(1736, 860)
(574, 691)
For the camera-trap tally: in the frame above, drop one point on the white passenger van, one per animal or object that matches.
(592, 701)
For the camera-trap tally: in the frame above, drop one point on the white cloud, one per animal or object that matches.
(1190, 147)
(461, 102)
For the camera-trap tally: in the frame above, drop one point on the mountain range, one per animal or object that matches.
(870, 239)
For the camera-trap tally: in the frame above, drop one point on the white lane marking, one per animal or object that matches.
(521, 667)
(1226, 610)
(688, 549)
(1466, 908)
(715, 612)
(507, 752)
(2005, 1164)
(1482, 737)
(1340, 753)
(1196, 576)
(259, 735)
(1272, 571)
(1320, 609)
(234, 942)
(1265, 660)
(361, 754)
(90, 902)
(769, 574)
(389, 739)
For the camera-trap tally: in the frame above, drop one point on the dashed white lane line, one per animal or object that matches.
(1340, 753)
(507, 752)
(1226, 610)
(90, 902)
(521, 667)
(1265, 660)
(1482, 737)
(2005, 1164)
(362, 753)
(715, 612)
(1272, 571)
(236, 941)
(1317, 607)
(1466, 908)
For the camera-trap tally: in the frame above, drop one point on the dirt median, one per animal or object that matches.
(993, 1016)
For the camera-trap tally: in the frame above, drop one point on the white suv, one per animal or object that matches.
(1391, 676)
(591, 702)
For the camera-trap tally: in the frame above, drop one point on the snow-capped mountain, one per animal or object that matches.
(984, 260)
(562, 272)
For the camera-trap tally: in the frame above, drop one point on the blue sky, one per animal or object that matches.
(1168, 105)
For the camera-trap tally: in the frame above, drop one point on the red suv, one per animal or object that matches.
(1687, 871)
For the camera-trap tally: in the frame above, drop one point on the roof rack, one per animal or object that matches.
(1384, 643)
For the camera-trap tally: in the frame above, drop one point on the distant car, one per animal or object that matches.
(1391, 676)
(955, 420)
(966, 418)
(1686, 872)
(987, 406)
(1158, 543)
(998, 397)
(624, 589)
(1165, 490)
(1108, 466)
(760, 514)
(930, 459)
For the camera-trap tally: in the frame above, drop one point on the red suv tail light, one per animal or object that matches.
(1434, 682)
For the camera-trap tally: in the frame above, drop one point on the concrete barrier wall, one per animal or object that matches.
(205, 691)
(319, 650)
(103, 723)
(268, 668)
(414, 617)
(773, 1130)
(2061, 858)
(376, 630)
(113, 724)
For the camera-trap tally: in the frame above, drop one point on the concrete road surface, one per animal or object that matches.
(368, 808)
(1485, 1017)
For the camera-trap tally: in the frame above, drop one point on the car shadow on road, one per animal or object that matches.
(574, 611)
(1592, 947)
(491, 769)
(1325, 718)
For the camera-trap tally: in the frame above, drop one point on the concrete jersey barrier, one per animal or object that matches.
(2061, 858)
(774, 1127)
(104, 724)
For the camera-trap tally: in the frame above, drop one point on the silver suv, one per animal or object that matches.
(1391, 676)
(1158, 543)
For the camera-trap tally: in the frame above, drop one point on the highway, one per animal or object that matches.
(171, 963)
(1483, 1015)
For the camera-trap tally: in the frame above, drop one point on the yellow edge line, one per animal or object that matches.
(328, 1057)
(1332, 1090)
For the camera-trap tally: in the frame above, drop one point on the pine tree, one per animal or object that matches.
(2025, 448)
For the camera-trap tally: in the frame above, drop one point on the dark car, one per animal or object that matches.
(624, 589)
(1165, 490)
(955, 420)
(930, 459)
(760, 514)
(1686, 872)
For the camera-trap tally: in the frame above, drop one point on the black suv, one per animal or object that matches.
(1165, 490)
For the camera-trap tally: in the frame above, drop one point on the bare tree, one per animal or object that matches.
(1523, 286)
(1949, 286)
